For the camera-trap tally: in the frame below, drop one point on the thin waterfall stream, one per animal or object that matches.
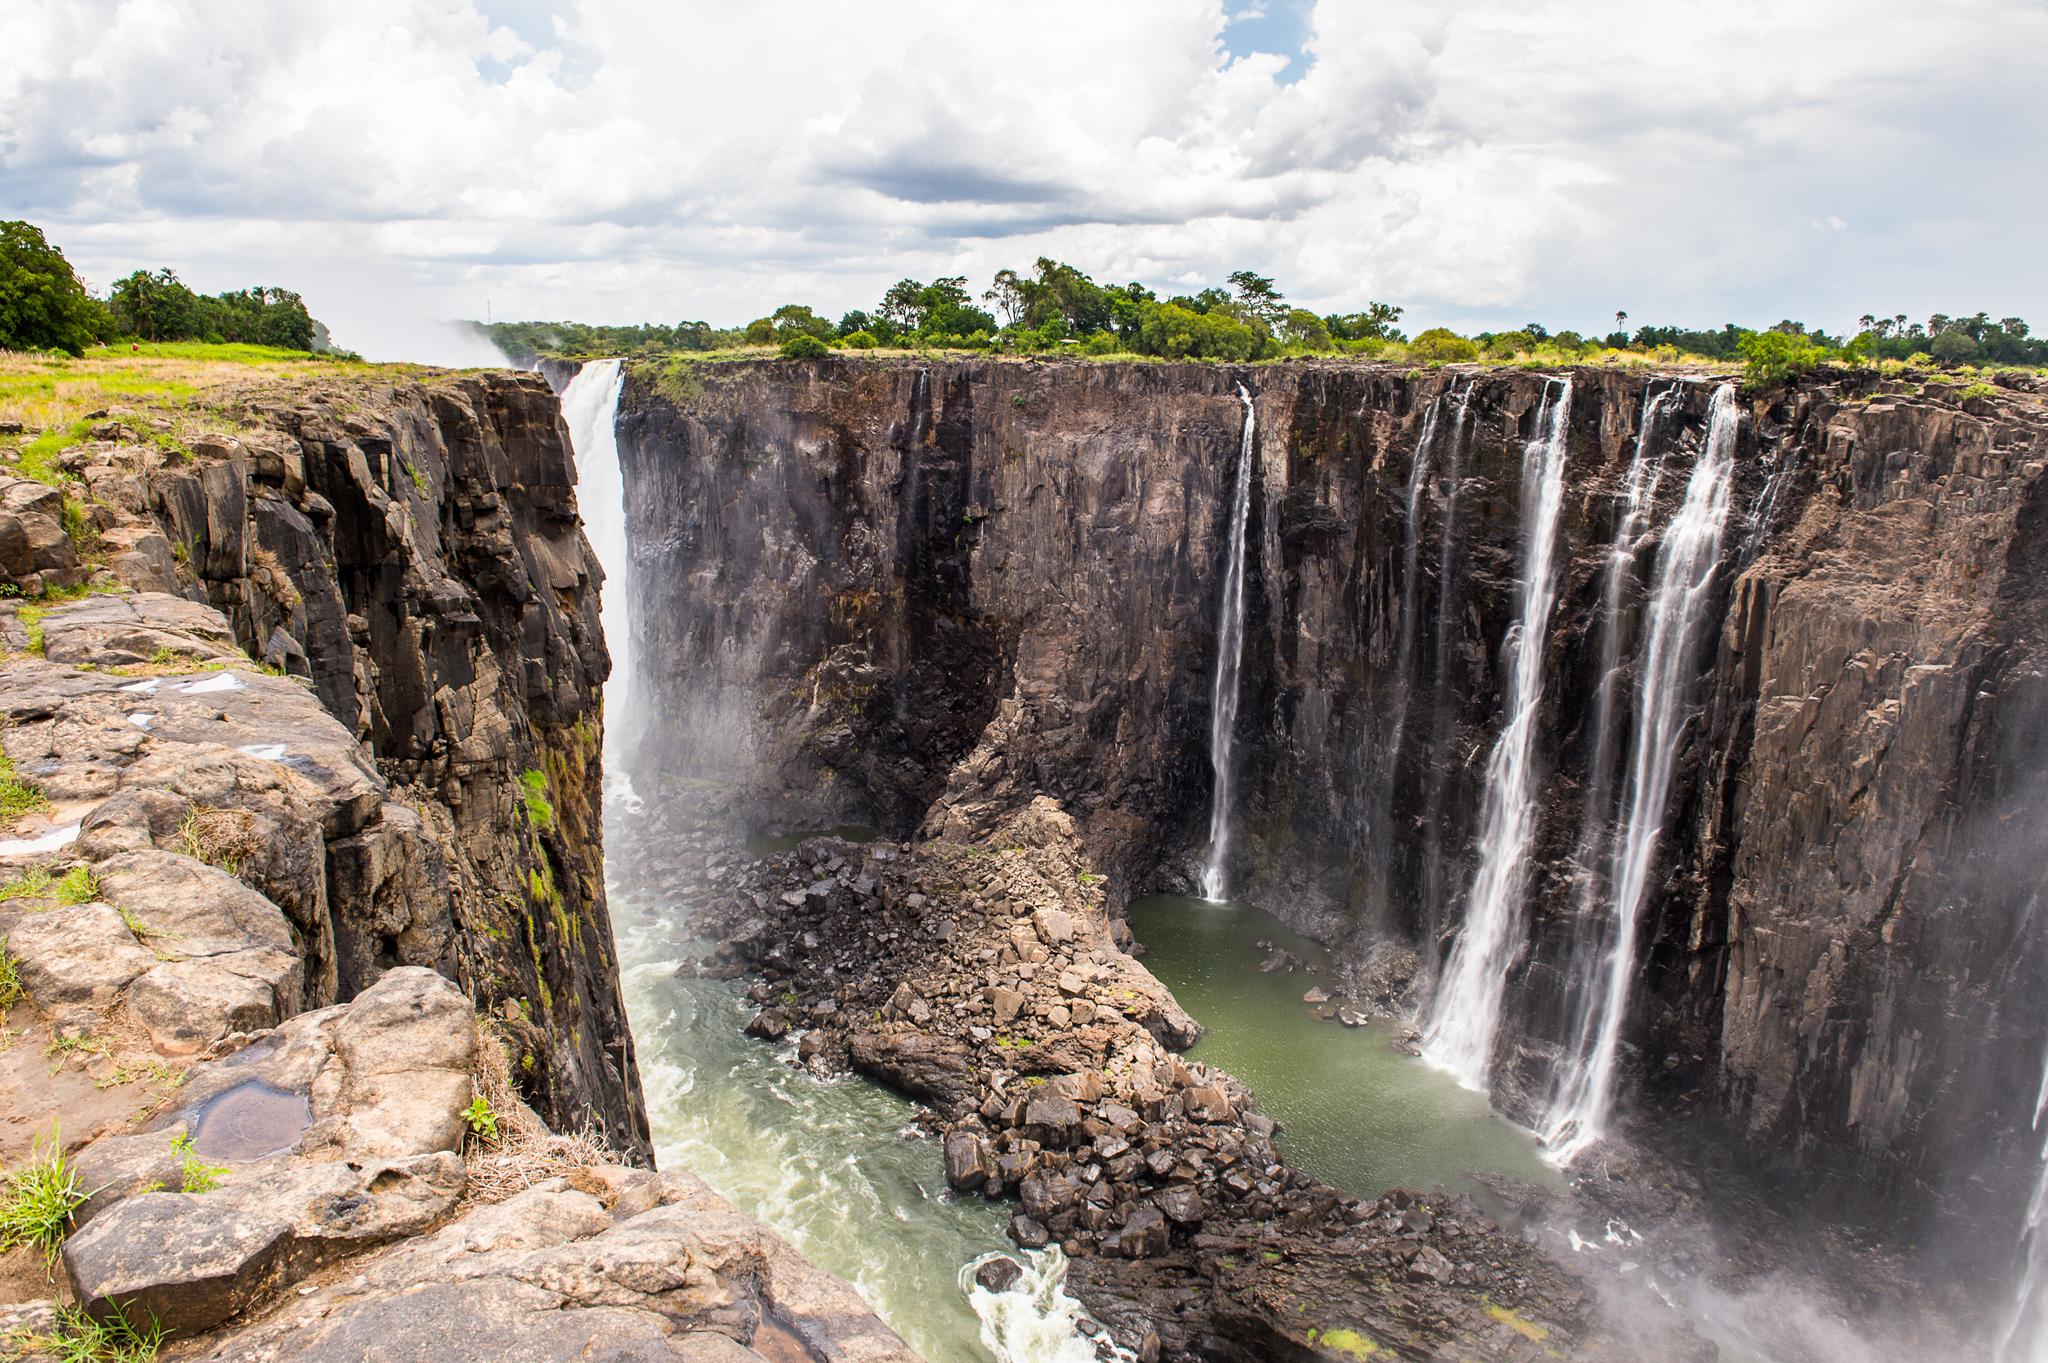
(1229, 662)
(1459, 1037)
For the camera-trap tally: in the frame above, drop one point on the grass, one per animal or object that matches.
(176, 384)
(78, 886)
(11, 991)
(38, 1199)
(17, 797)
(135, 923)
(539, 811)
(30, 884)
(195, 1175)
(82, 1338)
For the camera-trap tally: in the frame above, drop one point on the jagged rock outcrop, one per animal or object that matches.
(922, 593)
(413, 551)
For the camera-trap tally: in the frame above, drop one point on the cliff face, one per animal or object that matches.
(922, 594)
(413, 551)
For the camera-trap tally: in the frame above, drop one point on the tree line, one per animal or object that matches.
(45, 306)
(1056, 307)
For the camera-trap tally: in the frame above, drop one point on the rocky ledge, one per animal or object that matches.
(989, 980)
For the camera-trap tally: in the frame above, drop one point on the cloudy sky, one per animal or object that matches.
(1481, 163)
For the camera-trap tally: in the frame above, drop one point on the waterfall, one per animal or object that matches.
(1433, 895)
(1229, 659)
(1686, 565)
(1389, 756)
(1645, 477)
(590, 407)
(2025, 1336)
(1459, 1038)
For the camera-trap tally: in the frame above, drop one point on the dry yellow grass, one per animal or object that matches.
(169, 392)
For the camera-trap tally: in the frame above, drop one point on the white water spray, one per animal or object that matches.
(2025, 1336)
(1686, 566)
(1036, 1321)
(1229, 660)
(590, 406)
(1459, 1038)
(1631, 533)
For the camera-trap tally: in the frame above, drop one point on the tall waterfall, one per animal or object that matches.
(590, 406)
(2025, 1336)
(1459, 1038)
(1631, 533)
(1229, 660)
(1686, 564)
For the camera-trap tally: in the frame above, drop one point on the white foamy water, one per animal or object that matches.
(1686, 565)
(1229, 661)
(590, 407)
(61, 836)
(1459, 1038)
(1035, 1321)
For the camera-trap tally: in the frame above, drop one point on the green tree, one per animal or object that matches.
(1954, 346)
(1441, 345)
(804, 346)
(795, 319)
(42, 304)
(1258, 299)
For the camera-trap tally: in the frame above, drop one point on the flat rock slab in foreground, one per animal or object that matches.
(622, 1265)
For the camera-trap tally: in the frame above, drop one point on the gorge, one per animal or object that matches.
(1782, 708)
(1654, 752)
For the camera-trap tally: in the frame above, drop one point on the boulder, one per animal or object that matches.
(1145, 1235)
(79, 953)
(191, 1260)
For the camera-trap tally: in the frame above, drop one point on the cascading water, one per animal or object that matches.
(590, 406)
(1687, 562)
(1434, 892)
(1459, 1038)
(1387, 757)
(1229, 660)
(1645, 476)
(2025, 1336)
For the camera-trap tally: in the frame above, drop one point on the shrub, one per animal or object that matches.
(1440, 345)
(81, 1338)
(804, 348)
(859, 340)
(1775, 356)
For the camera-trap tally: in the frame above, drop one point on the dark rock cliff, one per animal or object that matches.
(922, 594)
(413, 551)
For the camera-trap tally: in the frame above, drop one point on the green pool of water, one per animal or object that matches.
(1357, 1113)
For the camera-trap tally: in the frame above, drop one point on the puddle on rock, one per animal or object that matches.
(249, 1121)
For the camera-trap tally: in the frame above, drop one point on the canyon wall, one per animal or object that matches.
(920, 594)
(413, 552)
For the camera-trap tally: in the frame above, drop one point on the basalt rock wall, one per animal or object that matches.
(921, 594)
(412, 551)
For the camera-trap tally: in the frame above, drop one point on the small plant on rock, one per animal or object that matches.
(82, 1338)
(30, 884)
(11, 991)
(38, 1199)
(483, 1122)
(17, 797)
(539, 811)
(195, 1175)
(78, 886)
